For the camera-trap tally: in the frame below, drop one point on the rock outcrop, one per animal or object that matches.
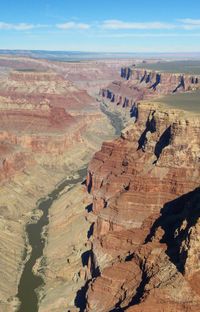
(146, 200)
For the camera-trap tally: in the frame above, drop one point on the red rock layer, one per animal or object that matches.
(35, 121)
(40, 112)
(42, 89)
(137, 256)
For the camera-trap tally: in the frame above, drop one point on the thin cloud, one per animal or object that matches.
(109, 25)
(189, 23)
(117, 24)
(146, 35)
(20, 26)
(73, 25)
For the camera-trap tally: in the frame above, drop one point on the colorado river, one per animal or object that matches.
(115, 119)
(30, 282)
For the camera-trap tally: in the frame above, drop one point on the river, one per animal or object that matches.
(115, 119)
(30, 282)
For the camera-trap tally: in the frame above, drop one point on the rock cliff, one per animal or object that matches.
(146, 201)
(138, 84)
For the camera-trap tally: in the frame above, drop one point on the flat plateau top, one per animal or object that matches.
(187, 66)
(189, 101)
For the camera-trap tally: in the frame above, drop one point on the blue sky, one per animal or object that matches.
(102, 26)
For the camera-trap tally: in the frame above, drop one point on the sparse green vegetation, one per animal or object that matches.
(189, 101)
(189, 67)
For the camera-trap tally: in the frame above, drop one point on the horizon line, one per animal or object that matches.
(101, 52)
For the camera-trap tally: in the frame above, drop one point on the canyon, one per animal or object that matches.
(49, 128)
(126, 236)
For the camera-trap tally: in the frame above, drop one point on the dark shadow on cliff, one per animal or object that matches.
(80, 300)
(139, 291)
(89, 186)
(185, 208)
(134, 112)
(150, 127)
(143, 77)
(90, 231)
(89, 208)
(163, 142)
(84, 182)
(85, 257)
(157, 82)
(180, 85)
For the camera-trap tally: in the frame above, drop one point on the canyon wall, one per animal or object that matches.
(146, 209)
(139, 84)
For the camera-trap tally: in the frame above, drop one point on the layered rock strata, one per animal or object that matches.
(146, 201)
(138, 84)
(87, 75)
(48, 130)
(40, 112)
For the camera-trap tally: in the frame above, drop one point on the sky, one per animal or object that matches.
(101, 26)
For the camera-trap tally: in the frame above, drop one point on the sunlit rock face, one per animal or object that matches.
(146, 199)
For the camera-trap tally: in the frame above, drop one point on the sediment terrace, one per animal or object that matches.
(177, 66)
(189, 101)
